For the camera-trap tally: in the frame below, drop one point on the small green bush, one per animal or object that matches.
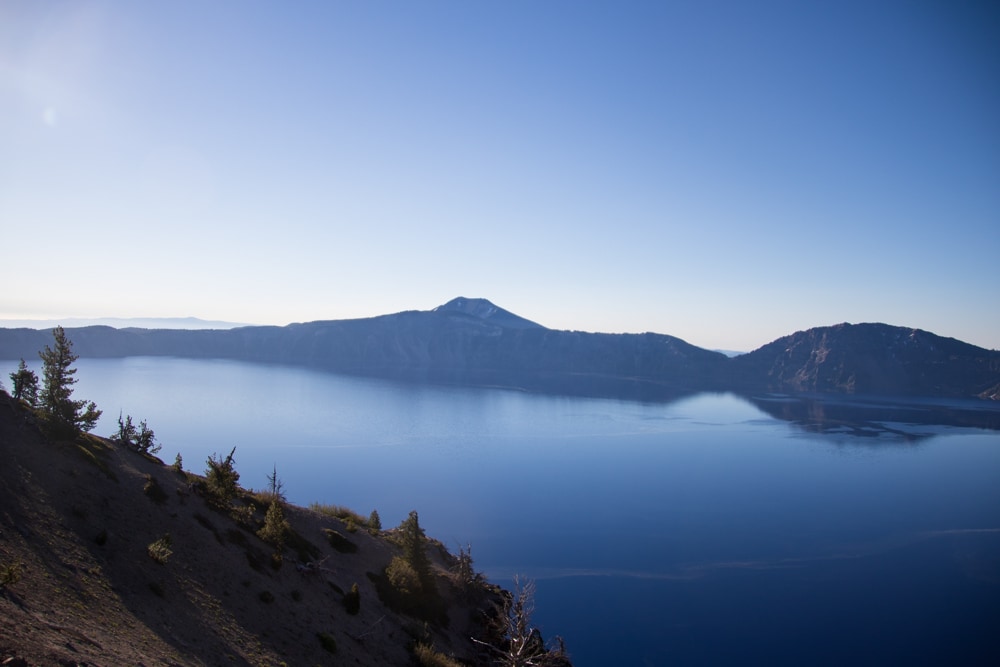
(403, 577)
(160, 549)
(428, 657)
(339, 512)
(243, 515)
(10, 574)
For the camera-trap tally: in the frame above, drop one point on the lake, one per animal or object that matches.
(708, 530)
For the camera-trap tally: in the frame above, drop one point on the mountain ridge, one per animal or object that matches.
(122, 323)
(474, 342)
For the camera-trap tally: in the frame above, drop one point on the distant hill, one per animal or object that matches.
(871, 359)
(123, 323)
(474, 342)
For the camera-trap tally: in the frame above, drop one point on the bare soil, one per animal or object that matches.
(76, 521)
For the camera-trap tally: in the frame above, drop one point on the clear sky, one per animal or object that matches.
(725, 172)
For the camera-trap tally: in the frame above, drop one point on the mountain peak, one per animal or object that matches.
(488, 311)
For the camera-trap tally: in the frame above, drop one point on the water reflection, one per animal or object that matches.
(887, 418)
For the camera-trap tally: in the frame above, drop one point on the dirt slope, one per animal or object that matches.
(78, 518)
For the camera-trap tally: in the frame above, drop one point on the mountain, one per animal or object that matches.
(871, 359)
(88, 578)
(484, 310)
(474, 342)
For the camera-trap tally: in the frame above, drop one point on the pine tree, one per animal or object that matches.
(141, 439)
(64, 415)
(414, 544)
(275, 487)
(275, 526)
(221, 477)
(25, 384)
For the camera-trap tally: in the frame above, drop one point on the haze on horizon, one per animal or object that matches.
(723, 172)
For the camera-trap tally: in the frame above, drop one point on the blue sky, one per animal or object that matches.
(726, 172)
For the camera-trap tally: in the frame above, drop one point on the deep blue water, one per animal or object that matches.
(702, 531)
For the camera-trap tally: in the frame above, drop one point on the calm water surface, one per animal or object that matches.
(702, 531)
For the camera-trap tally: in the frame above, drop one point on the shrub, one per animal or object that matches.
(403, 577)
(10, 574)
(139, 440)
(243, 515)
(428, 657)
(374, 522)
(160, 549)
(338, 512)
(327, 642)
(352, 600)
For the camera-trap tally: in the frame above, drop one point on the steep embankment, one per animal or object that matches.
(78, 584)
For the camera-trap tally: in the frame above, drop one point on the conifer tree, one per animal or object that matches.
(275, 487)
(414, 544)
(275, 526)
(374, 522)
(64, 415)
(221, 477)
(25, 384)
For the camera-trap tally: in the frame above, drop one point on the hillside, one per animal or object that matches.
(78, 585)
(474, 342)
(871, 359)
